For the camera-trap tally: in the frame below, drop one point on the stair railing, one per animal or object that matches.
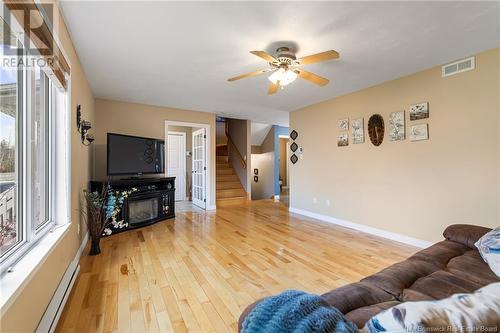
(232, 144)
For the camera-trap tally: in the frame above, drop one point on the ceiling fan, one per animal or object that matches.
(285, 68)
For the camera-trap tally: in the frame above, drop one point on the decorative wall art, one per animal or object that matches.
(294, 158)
(293, 147)
(294, 135)
(376, 129)
(342, 140)
(343, 124)
(419, 132)
(358, 131)
(419, 111)
(256, 179)
(255, 171)
(397, 126)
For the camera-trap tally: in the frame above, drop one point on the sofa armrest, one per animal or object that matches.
(465, 234)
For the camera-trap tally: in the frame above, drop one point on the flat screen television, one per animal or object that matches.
(134, 155)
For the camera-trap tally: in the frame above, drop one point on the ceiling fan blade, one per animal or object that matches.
(264, 55)
(262, 71)
(273, 88)
(318, 57)
(311, 77)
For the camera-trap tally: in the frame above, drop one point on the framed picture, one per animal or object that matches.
(419, 132)
(256, 179)
(358, 131)
(343, 124)
(397, 126)
(419, 111)
(342, 140)
(255, 171)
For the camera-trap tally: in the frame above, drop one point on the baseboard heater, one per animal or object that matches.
(53, 312)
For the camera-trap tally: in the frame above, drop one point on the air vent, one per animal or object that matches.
(459, 66)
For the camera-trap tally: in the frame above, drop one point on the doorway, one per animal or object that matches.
(177, 161)
(187, 159)
(284, 176)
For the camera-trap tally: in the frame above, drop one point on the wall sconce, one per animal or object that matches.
(83, 126)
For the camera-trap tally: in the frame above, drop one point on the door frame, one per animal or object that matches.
(183, 149)
(209, 151)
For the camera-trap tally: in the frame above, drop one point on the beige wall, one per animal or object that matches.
(143, 120)
(27, 309)
(412, 188)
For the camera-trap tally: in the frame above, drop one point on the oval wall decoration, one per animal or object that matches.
(376, 129)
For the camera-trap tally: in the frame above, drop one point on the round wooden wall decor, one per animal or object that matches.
(376, 129)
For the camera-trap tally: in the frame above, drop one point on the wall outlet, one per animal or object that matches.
(327, 202)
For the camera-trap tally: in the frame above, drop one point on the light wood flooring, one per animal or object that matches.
(197, 272)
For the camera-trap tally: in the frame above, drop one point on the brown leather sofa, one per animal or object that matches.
(451, 266)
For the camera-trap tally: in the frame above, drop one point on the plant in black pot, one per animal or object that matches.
(101, 210)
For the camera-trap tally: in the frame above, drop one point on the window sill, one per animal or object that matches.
(12, 283)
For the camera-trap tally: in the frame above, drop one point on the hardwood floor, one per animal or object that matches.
(197, 272)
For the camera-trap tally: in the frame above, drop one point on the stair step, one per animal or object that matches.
(222, 159)
(225, 185)
(230, 193)
(222, 166)
(228, 171)
(232, 202)
(225, 178)
(221, 150)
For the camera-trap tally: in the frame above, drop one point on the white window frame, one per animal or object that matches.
(56, 215)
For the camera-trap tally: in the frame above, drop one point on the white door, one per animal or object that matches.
(199, 168)
(176, 162)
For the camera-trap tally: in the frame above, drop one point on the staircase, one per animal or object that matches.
(228, 184)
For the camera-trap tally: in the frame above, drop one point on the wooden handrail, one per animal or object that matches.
(230, 140)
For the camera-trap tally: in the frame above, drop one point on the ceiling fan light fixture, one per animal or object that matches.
(283, 76)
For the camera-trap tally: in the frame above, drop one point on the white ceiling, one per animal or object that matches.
(180, 54)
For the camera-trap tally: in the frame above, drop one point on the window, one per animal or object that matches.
(33, 146)
(10, 92)
(39, 143)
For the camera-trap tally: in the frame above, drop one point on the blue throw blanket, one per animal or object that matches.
(296, 311)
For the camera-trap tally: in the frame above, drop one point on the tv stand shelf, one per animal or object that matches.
(153, 201)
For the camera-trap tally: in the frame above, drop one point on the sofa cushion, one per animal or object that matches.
(471, 266)
(361, 315)
(442, 284)
(356, 295)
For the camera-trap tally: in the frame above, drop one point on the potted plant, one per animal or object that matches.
(101, 210)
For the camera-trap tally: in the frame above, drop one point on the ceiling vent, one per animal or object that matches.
(459, 66)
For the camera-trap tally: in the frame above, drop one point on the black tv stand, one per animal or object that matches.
(153, 201)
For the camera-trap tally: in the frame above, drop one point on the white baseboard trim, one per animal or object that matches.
(360, 227)
(50, 318)
(211, 207)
